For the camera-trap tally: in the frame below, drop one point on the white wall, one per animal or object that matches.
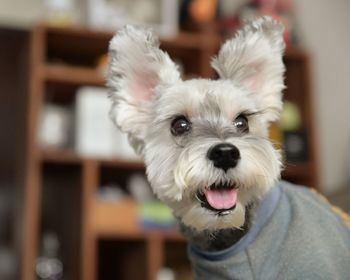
(324, 27)
(20, 12)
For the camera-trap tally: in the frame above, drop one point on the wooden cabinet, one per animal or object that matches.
(298, 82)
(100, 239)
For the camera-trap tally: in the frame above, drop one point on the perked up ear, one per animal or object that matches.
(137, 67)
(253, 59)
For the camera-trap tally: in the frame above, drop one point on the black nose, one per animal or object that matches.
(224, 156)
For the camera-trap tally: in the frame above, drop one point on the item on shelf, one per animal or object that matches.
(102, 64)
(161, 15)
(139, 188)
(295, 145)
(198, 15)
(113, 193)
(291, 116)
(5, 213)
(183, 272)
(96, 135)
(93, 129)
(48, 265)
(60, 12)
(55, 126)
(232, 15)
(229, 8)
(156, 215)
(228, 16)
(121, 145)
(276, 135)
(166, 273)
(294, 139)
(8, 265)
(281, 10)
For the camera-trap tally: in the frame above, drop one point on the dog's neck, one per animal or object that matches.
(218, 240)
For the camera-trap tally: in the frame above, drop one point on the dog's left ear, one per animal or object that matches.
(253, 59)
(137, 69)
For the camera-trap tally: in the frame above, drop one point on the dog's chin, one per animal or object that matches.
(201, 218)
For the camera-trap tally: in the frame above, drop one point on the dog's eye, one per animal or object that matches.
(180, 125)
(241, 123)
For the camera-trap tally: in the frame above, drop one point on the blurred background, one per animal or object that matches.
(74, 200)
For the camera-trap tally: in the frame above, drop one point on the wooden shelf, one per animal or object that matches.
(59, 156)
(77, 75)
(185, 40)
(295, 170)
(65, 156)
(166, 235)
(61, 73)
(122, 163)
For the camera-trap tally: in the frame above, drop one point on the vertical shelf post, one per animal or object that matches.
(89, 242)
(33, 187)
(155, 255)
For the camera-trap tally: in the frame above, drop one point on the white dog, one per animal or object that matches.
(208, 156)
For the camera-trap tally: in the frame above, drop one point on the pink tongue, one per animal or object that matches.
(221, 199)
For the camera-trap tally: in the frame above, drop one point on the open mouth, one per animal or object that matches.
(219, 198)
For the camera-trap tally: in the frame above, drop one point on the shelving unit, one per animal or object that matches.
(104, 238)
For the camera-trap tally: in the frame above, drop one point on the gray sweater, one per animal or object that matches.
(295, 235)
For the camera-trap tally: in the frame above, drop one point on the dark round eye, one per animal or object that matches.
(241, 123)
(180, 125)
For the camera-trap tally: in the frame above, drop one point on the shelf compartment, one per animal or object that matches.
(175, 258)
(119, 220)
(60, 213)
(122, 259)
(113, 218)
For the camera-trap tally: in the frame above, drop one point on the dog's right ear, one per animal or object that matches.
(137, 69)
(253, 59)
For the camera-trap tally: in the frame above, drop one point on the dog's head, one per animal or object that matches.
(205, 142)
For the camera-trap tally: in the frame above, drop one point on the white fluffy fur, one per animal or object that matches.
(136, 67)
(147, 94)
(257, 63)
